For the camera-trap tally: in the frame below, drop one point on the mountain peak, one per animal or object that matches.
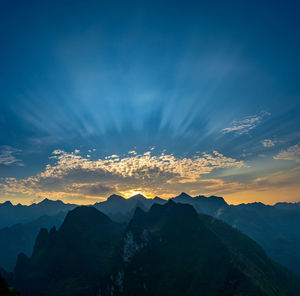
(115, 197)
(182, 196)
(138, 197)
(47, 201)
(211, 199)
(84, 211)
(41, 240)
(84, 217)
(7, 203)
(170, 202)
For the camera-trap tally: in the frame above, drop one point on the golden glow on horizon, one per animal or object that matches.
(132, 192)
(73, 178)
(270, 197)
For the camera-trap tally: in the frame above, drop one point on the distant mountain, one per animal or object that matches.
(209, 205)
(10, 214)
(275, 228)
(169, 250)
(182, 197)
(121, 209)
(293, 206)
(21, 237)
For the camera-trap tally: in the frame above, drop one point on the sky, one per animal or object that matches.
(151, 97)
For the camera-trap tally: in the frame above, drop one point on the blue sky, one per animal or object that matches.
(182, 79)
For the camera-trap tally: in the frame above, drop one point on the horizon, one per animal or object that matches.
(139, 194)
(149, 97)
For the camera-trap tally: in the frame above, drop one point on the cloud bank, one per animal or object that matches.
(74, 175)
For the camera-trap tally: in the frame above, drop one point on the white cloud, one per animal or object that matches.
(7, 156)
(268, 143)
(245, 125)
(74, 174)
(292, 153)
(132, 152)
(137, 164)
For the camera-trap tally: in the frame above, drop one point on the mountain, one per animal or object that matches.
(182, 197)
(275, 228)
(21, 237)
(121, 209)
(68, 261)
(209, 205)
(169, 250)
(173, 251)
(10, 214)
(293, 206)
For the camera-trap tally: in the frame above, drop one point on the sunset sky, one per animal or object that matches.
(151, 97)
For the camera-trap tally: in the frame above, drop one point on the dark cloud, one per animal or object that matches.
(94, 189)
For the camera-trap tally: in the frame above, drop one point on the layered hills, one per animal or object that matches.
(169, 250)
(275, 228)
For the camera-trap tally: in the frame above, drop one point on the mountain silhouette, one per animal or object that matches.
(288, 206)
(21, 237)
(65, 261)
(169, 250)
(13, 214)
(208, 205)
(121, 209)
(275, 228)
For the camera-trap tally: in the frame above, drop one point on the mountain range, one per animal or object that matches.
(21, 237)
(275, 228)
(13, 214)
(168, 250)
(121, 209)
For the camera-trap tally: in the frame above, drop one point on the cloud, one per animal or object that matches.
(140, 166)
(73, 177)
(71, 174)
(268, 143)
(94, 189)
(245, 125)
(112, 156)
(292, 153)
(132, 152)
(7, 156)
(278, 179)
